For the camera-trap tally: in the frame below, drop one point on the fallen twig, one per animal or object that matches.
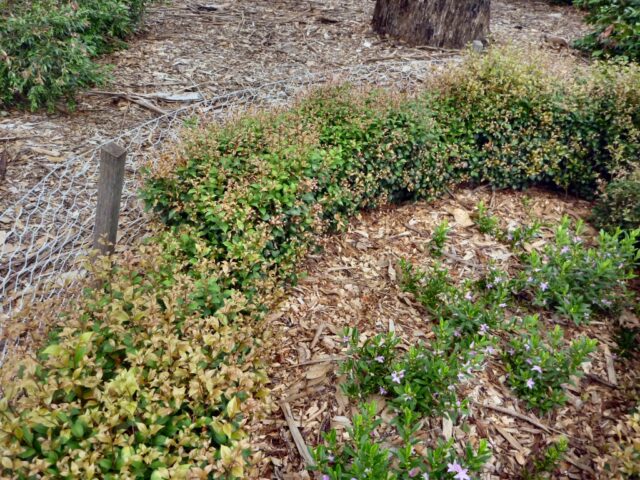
(515, 414)
(297, 436)
(600, 380)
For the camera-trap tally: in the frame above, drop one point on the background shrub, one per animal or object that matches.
(617, 27)
(514, 124)
(619, 205)
(47, 46)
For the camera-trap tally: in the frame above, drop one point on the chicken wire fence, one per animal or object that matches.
(52, 224)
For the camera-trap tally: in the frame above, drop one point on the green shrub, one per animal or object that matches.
(439, 238)
(539, 366)
(619, 205)
(486, 222)
(514, 124)
(546, 461)
(47, 46)
(577, 280)
(469, 309)
(617, 28)
(363, 457)
(423, 379)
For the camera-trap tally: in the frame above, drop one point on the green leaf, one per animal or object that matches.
(77, 429)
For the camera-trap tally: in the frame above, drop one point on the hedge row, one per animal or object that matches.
(47, 47)
(157, 372)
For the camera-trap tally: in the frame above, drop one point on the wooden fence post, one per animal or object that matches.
(110, 181)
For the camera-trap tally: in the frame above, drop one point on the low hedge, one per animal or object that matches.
(47, 47)
(157, 371)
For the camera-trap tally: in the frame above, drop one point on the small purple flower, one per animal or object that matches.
(544, 286)
(345, 339)
(382, 391)
(565, 250)
(456, 332)
(325, 477)
(528, 360)
(460, 377)
(489, 350)
(577, 239)
(379, 359)
(489, 286)
(484, 328)
(511, 351)
(502, 305)
(396, 377)
(530, 280)
(536, 368)
(460, 473)
(527, 347)
(414, 472)
(469, 296)
(606, 303)
(530, 383)
(498, 279)
(458, 404)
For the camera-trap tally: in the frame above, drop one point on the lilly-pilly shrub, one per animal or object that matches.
(138, 383)
(514, 124)
(577, 280)
(47, 47)
(365, 455)
(538, 365)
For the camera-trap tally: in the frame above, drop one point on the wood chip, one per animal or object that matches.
(303, 450)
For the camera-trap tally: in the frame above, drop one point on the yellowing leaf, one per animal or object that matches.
(233, 407)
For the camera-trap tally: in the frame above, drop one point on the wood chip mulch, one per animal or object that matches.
(354, 283)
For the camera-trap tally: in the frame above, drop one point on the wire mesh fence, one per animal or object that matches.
(52, 224)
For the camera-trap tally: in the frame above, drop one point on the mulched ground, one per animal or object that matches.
(354, 283)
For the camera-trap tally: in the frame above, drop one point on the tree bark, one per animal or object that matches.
(438, 23)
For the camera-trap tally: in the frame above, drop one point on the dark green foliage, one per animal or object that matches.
(577, 280)
(47, 46)
(617, 28)
(538, 364)
(546, 461)
(619, 205)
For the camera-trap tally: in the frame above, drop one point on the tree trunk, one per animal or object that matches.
(438, 23)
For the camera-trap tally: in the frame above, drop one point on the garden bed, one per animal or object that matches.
(355, 283)
(161, 368)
